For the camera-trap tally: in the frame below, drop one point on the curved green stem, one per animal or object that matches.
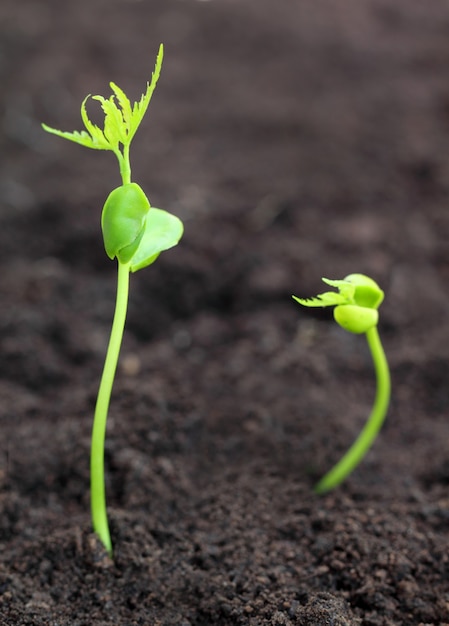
(97, 484)
(372, 427)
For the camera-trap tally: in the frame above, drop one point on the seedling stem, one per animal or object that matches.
(361, 445)
(97, 482)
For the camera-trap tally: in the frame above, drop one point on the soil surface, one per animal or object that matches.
(296, 140)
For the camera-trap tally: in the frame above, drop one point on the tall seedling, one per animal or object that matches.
(134, 233)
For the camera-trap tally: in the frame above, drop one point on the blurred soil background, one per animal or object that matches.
(296, 140)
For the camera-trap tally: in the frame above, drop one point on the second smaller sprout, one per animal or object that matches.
(356, 310)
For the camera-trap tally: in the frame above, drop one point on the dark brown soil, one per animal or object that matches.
(296, 139)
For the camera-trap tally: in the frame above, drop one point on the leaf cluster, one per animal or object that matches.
(345, 295)
(121, 118)
(355, 289)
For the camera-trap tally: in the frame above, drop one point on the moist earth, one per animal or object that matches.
(296, 140)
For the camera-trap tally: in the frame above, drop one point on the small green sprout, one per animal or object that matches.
(135, 234)
(356, 310)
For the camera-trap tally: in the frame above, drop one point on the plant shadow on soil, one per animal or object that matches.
(296, 140)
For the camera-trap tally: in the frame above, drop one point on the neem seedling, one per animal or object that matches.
(356, 310)
(135, 234)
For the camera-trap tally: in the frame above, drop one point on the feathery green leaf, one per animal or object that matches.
(98, 138)
(113, 122)
(329, 298)
(139, 108)
(124, 103)
(80, 137)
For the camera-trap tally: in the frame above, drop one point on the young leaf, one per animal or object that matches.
(139, 108)
(345, 287)
(329, 298)
(99, 140)
(124, 103)
(80, 137)
(113, 122)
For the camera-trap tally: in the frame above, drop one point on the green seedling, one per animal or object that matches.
(135, 234)
(356, 310)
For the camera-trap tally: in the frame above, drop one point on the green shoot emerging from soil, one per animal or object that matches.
(135, 234)
(356, 310)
